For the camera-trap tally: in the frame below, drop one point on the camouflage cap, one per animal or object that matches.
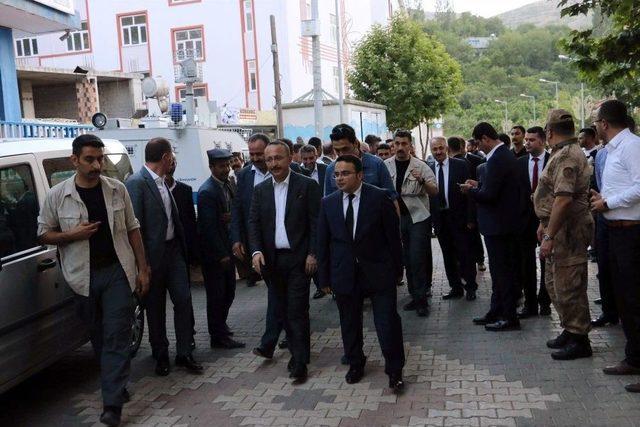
(559, 115)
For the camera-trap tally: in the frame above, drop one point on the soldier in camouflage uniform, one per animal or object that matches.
(566, 226)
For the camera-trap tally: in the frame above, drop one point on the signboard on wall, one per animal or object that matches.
(61, 5)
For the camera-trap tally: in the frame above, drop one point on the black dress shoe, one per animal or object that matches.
(283, 344)
(259, 351)
(111, 416)
(560, 341)
(453, 294)
(189, 363)
(633, 388)
(527, 312)
(483, 320)
(422, 310)
(226, 342)
(471, 295)
(395, 383)
(598, 301)
(545, 310)
(576, 348)
(299, 373)
(163, 367)
(503, 325)
(602, 320)
(319, 294)
(410, 306)
(354, 375)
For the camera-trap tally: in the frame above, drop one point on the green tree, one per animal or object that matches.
(408, 71)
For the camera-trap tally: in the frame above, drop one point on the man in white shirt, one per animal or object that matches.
(619, 201)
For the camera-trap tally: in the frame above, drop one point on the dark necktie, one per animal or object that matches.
(441, 190)
(534, 177)
(348, 220)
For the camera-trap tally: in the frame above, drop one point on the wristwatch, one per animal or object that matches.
(546, 237)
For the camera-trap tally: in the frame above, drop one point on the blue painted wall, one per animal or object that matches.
(9, 96)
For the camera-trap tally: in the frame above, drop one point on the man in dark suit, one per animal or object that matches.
(530, 168)
(360, 256)
(164, 244)
(183, 195)
(499, 222)
(453, 218)
(282, 238)
(214, 210)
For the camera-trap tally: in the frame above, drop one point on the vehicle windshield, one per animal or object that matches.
(116, 165)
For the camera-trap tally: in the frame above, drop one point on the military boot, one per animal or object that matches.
(577, 347)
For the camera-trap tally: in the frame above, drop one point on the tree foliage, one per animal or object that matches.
(408, 71)
(609, 53)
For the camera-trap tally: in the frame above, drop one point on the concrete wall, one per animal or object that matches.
(115, 99)
(56, 101)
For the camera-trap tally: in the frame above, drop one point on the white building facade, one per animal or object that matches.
(231, 40)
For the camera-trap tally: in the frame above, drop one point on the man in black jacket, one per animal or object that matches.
(282, 239)
(495, 197)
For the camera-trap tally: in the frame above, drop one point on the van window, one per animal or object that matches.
(115, 166)
(18, 210)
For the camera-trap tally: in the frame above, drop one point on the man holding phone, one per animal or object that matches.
(90, 218)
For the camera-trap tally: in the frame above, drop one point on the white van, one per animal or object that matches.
(38, 322)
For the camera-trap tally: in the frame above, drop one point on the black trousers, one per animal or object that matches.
(502, 267)
(457, 252)
(527, 273)
(387, 323)
(607, 294)
(476, 246)
(288, 305)
(624, 250)
(220, 285)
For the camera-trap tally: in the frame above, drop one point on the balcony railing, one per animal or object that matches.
(41, 130)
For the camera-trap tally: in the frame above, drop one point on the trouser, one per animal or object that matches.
(387, 323)
(455, 242)
(605, 283)
(220, 285)
(528, 274)
(502, 268)
(416, 251)
(477, 247)
(109, 311)
(288, 301)
(567, 287)
(624, 248)
(170, 275)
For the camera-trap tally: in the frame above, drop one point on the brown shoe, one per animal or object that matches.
(622, 368)
(633, 388)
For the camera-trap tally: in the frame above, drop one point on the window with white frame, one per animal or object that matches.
(336, 79)
(79, 40)
(333, 29)
(26, 47)
(190, 40)
(253, 79)
(134, 29)
(248, 17)
(197, 92)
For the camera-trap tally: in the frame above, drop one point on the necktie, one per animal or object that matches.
(441, 190)
(534, 177)
(348, 220)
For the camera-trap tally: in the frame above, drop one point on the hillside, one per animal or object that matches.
(542, 13)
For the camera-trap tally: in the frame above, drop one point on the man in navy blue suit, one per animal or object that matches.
(360, 256)
(498, 200)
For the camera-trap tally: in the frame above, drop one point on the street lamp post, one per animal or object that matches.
(555, 83)
(506, 113)
(582, 115)
(533, 98)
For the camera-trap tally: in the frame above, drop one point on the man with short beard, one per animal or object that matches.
(517, 140)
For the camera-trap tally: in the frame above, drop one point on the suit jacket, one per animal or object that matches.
(149, 209)
(183, 195)
(376, 251)
(461, 209)
(530, 219)
(497, 194)
(301, 217)
(215, 239)
(473, 160)
(322, 171)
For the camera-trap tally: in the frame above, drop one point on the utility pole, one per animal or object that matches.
(317, 69)
(339, 53)
(276, 78)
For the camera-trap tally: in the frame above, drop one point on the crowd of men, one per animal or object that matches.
(538, 191)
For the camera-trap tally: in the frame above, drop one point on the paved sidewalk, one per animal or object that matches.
(456, 374)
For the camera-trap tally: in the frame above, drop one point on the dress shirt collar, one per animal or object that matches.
(220, 181)
(345, 195)
(539, 157)
(258, 171)
(284, 182)
(154, 175)
(445, 162)
(490, 153)
(616, 140)
(173, 185)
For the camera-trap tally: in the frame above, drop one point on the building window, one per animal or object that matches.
(253, 80)
(336, 79)
(173, 2)
(134, 30)
(188, 41)
(197, 92)
(333, 30)
(248, 17)
(26, 47)
(79, 40)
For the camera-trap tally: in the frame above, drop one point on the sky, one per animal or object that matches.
(486, 8)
